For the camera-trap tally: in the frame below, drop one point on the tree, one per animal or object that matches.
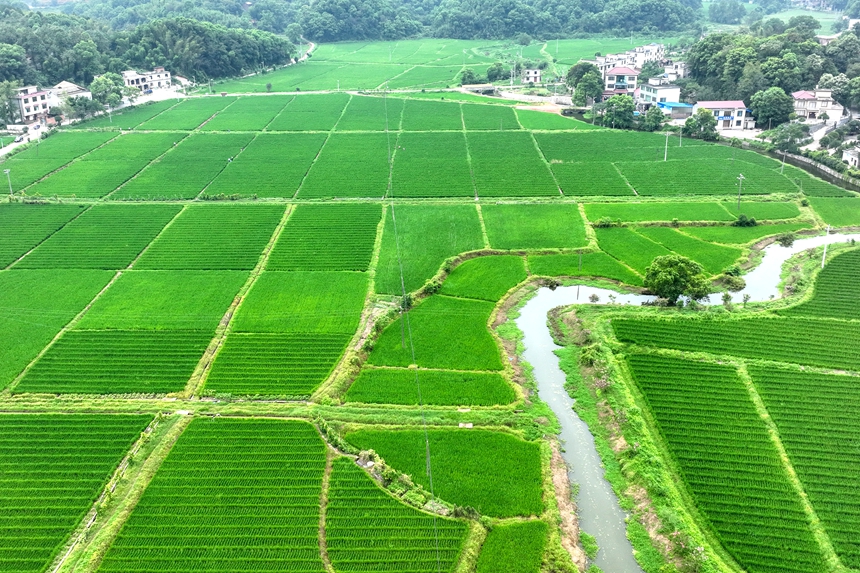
(619, 112)
(654, 119)
(787, 136)
(468, 76)
(772, 106)
(590, 86)
(108, 89)
(674, 276)
(8, 110)
(651, 69)
(576, 71)
(497, 72)
(726, 12)
(294, 33)
(13, 62)
(702, 125)
(524, 39)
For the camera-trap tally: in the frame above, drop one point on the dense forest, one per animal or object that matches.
(45, 48)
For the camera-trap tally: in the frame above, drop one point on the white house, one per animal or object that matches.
(635, 58)
(675, 70)
(159, 78)
(732, 114)
(531, 76)
(852, 157)
(67, 89)
(34, 104)
(811, 104)
(620, 80)
(658, 90)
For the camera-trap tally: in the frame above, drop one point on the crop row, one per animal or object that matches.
(366, 530)
(52, 468)
(703, 177)
(509, 165)
(248, 114)
(25, 226)
(818, 419)
(593, 178)
(105, 237)
(310, 113)
(351, 165)
(211, 237)
(421, 115)
(117, 362)
(605, 145)
(129, 117)
(714, 258)
(188, 114)
(371, 114)
(31, 165)
(728, 462)
(327, 238)
(836, 294)
(824, 343)
(186, 169)
(168, 525)
(438, 387)
(431, 165)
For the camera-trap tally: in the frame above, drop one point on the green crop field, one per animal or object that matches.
(714, 258)
(350, 165)
(128, 118)
(508, 164)
(26, 226)
(446, 332)
(421, 115)
(248, 114)
(371, 114)
(583, 265)
(104, 237)
(817, 418)
(426, 236)
(489, 117)
(188, 113)
(497, 474)
(53, 469)
(534, 226)
(485, 278)
(217, 494)
(327, 238)
(442, 156)
(44, 157)
(810, 342)
(214, 237)
(702, 177)
(591, 179)
(835, 294)
(367, 530)
(629, 247)
(728, 462)
(513, 548)
(837, 212)
(170, 178)
(540, 120)
(271, 166)
(310, 113)
(637, 212)
(741, 235)
(437, 387)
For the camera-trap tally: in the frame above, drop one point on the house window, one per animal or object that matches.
(716, 114)
(738, 123)
(740, 113)
(662, 99)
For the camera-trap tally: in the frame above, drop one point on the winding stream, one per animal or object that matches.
(599, 512)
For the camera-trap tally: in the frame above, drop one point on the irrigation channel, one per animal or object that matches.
(598, 509)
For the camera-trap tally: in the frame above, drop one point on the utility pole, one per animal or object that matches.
(9, 180)
(666, 149)
(680, 135)
(740, 187)
(782, 167)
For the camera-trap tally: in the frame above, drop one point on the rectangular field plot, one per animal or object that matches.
(273, 165)
(714, 258)
(283, 365)
(585, 265)
(636, 212)
(497, 474)
(728, 462)
(485, 278)
(590, 179)
(326, 302)
(835, 294)
(837, 211)
(27, 167)
(128, 118)
(536, 226)
(742, 235)
(817, 417)
(350, 165)
(426, 77)
(824, 343)
(489, 117)
(509, 165)
(250, 113)
(438, 387)
(603, 145)
(209, 237)
(185, 170)
(813, 186)
(368, 530)
(310, 113)
(35, 306)
(233, 495)
(542, 120)
(117, 362)
(421, 115)
(188, 114)
(105, 237)
(521, 543)
(53, 468)
(165, 300)
(106, 168)
(327, 238)
(630, 248)
(703, 177)
(23, 227)
(371, 114)
(427, 235)
(431, 165)
(447, 333)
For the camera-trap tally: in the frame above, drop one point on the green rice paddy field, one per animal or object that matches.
(247, 294)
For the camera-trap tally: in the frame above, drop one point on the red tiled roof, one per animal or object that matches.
(803, 94)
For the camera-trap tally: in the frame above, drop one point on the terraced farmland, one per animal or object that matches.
(835, 294)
